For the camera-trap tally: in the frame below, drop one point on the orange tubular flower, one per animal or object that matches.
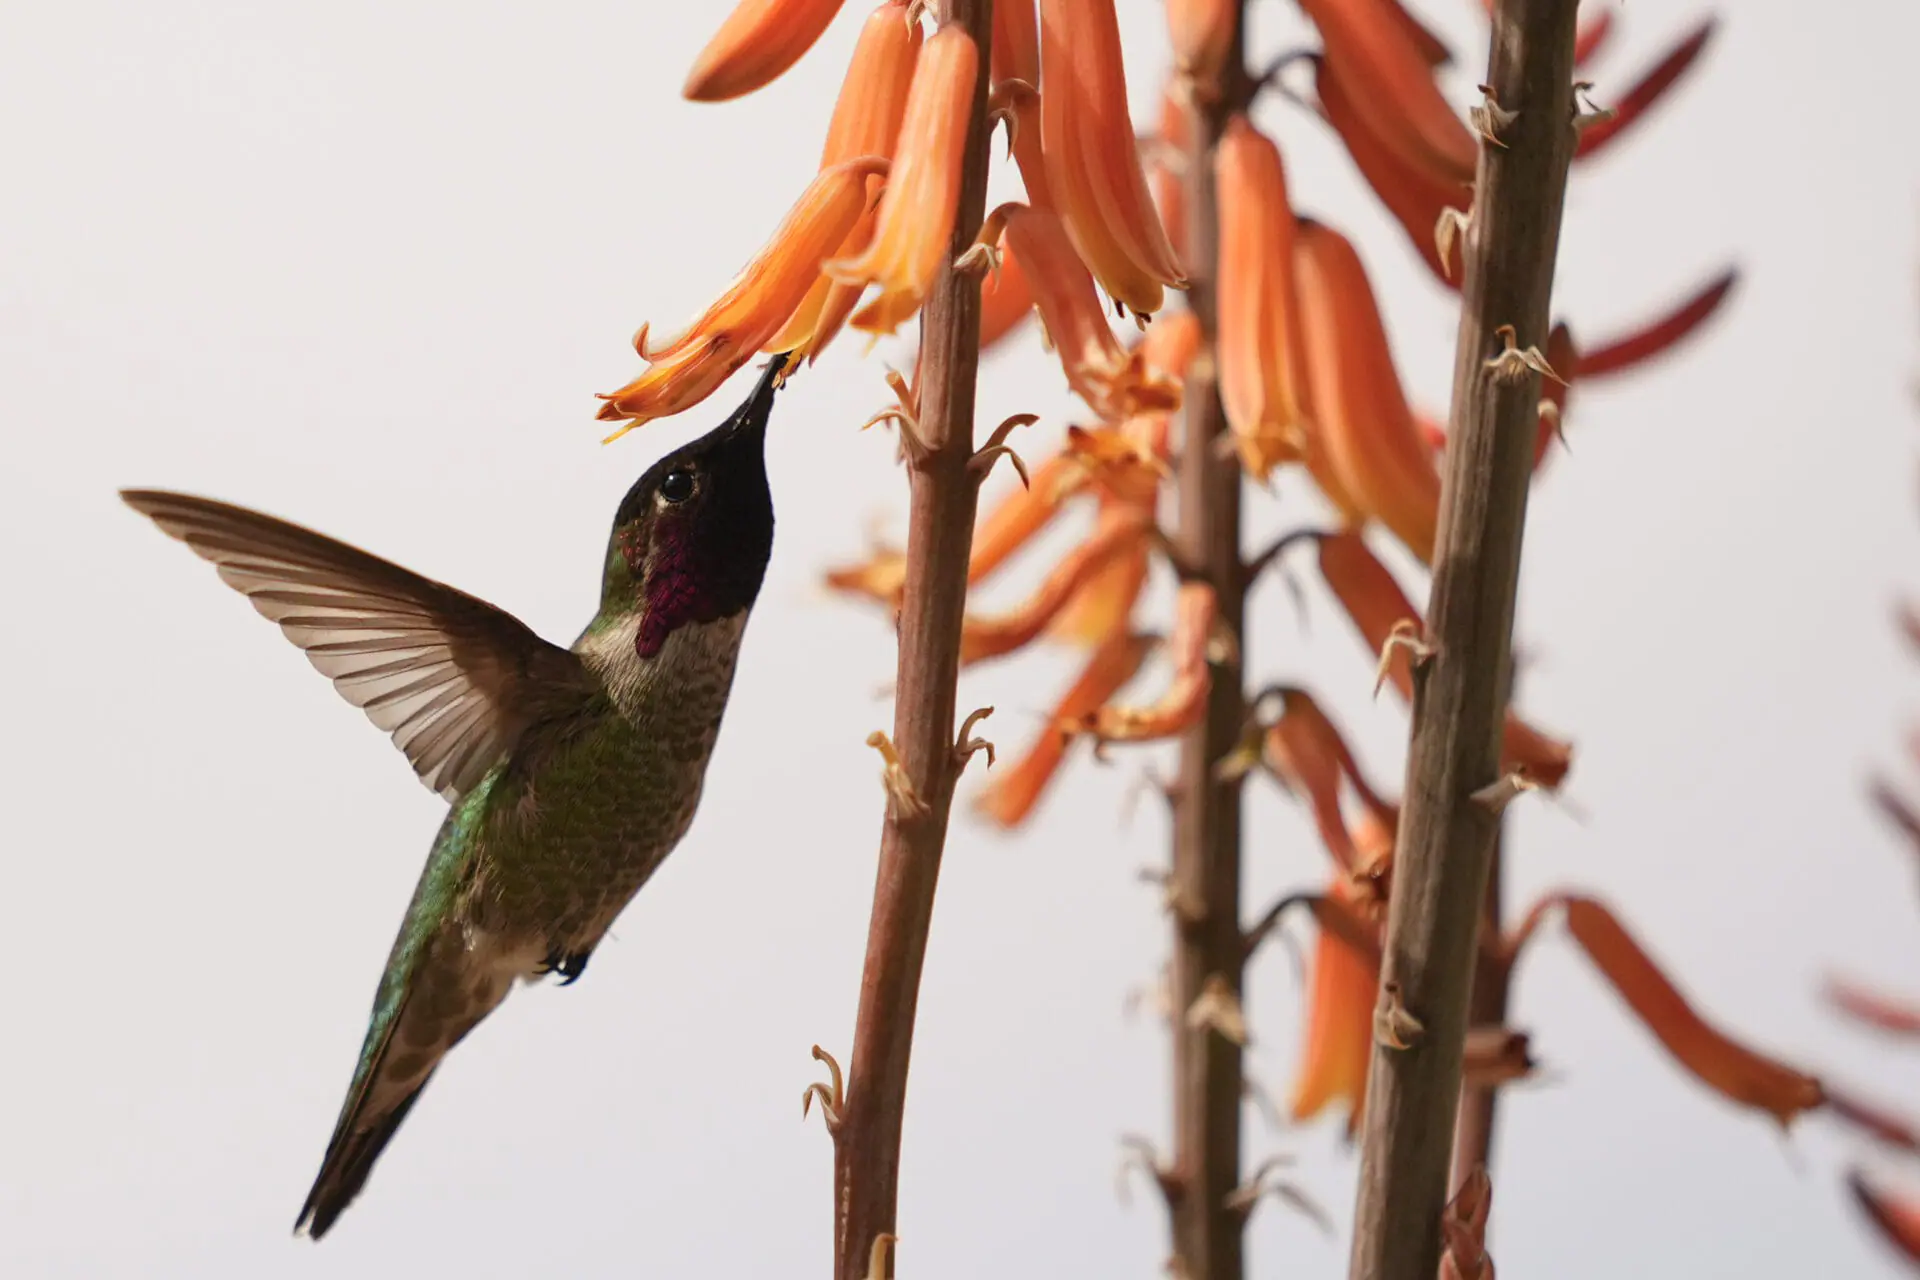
(982, 638)
(1393, 87)
(1415, 197)
(1202, 32)
(1339, 1038)
(1309, 754)
(916, 214)
(1093, 161)
(1731, 1070)
(755, 45)
(1897, 1219)
(690, 367)
(882, 577)
(1103, 606)
(1361, 421)
(866, 122)
(1021, 515)
(1175, 135)
(1259, 341)
(1375, 604)
(1016, 56)
(1649, 90)
(1657, 337)
(1186, 697)
(1006, 300)
(1114, 383)
(1015, 789)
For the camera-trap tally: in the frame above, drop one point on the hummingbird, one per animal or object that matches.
(570, 774)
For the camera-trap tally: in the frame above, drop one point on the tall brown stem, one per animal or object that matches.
(1446, 836)
(866, 1164)
(1206, 809)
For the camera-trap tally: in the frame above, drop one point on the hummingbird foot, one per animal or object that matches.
(832, 1095)
(569, 965)
(967, 744)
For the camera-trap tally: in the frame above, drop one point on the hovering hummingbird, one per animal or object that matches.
(571, 773)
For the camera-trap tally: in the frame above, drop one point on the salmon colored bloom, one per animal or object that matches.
(1730, 1069)
(1103, 606)
(1393, 88)
(1304, 749)
(1021, 515)
(882, 577)
(1014, 789)
(1202, 35)
(915, 220)
(866, 122)
(1173, 136)
(686, 369)
(1115, 383)
(1006, 300)
(1170, 344)
(989, 637)
(1259, 342)
(1375, 604)
(1016, 59)
(1093, 160)
(755, 45)
(1195, 612)
(1338, 1045)
(1414, 196)
(1361, 421)
(1645, 93)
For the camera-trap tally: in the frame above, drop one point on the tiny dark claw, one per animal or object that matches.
(570, 967)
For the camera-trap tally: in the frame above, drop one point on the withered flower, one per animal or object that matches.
(866, 122)
(1114, 383)
(1304, 749)
(755, 45)
(686, 369)
(1093, 161)
(1259, 344)
(1658, 335)
(916, 214)
(1014, 789)
(1361, 421)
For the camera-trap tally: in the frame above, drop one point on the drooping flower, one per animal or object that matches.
(1259, 341)
(1195, 613)
(1392, 84)
(1304, 749)
(1645, 93)
(1338, 1045)
(1114, 541)
(1016, 60)
(1092, 159)
(1006, 300)
(686, 369)
(914, 223)
(755, 45)
(1659, 335)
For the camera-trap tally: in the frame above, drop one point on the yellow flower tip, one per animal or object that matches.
(757, 43)
(915, 218)
(1092, 158)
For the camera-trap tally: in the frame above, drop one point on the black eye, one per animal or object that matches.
(677, 486)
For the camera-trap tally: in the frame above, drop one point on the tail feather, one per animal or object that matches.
(350, 1156)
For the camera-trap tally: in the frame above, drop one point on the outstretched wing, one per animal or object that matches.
(451, 678)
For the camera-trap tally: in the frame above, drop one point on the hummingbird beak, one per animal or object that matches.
(752, 416)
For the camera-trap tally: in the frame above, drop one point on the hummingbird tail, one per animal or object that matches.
(349, 1160)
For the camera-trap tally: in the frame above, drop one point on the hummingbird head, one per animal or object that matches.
(692, 537)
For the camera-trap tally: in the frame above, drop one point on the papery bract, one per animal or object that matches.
(757, 43)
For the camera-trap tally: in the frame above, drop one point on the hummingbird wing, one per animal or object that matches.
(451, 678)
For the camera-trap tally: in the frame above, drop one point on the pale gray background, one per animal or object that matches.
(364, 264)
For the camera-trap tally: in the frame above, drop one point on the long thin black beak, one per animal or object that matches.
(752, 416)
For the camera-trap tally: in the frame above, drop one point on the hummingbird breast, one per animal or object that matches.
(588, 808)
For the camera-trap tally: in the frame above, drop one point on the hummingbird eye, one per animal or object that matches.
(677, 486)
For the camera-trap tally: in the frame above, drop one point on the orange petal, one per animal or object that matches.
(1361, 422)
(1093, 161)
(1113, 382)
(1874, 1009)
(1006, 300)
(1259, 339)
(1103, 606)
(1304, 748)
(882, 577)
(989, 637)
(1195, 612)
(1414, 196)
(1651, 339)
(1591, 37)
(1393, 87)
(1649, 90)
(1014, 790)
(1021, 515)
(1016, 56)
(1898, 1219)
(1730, 1069)
(1175, 135)
(1339, 1036)
(915, 219)
(760, 301)
(1127, 464)
(1170, 344)
(1375, 604)
(1432, 49)
(755, 45)
(1202, 34)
